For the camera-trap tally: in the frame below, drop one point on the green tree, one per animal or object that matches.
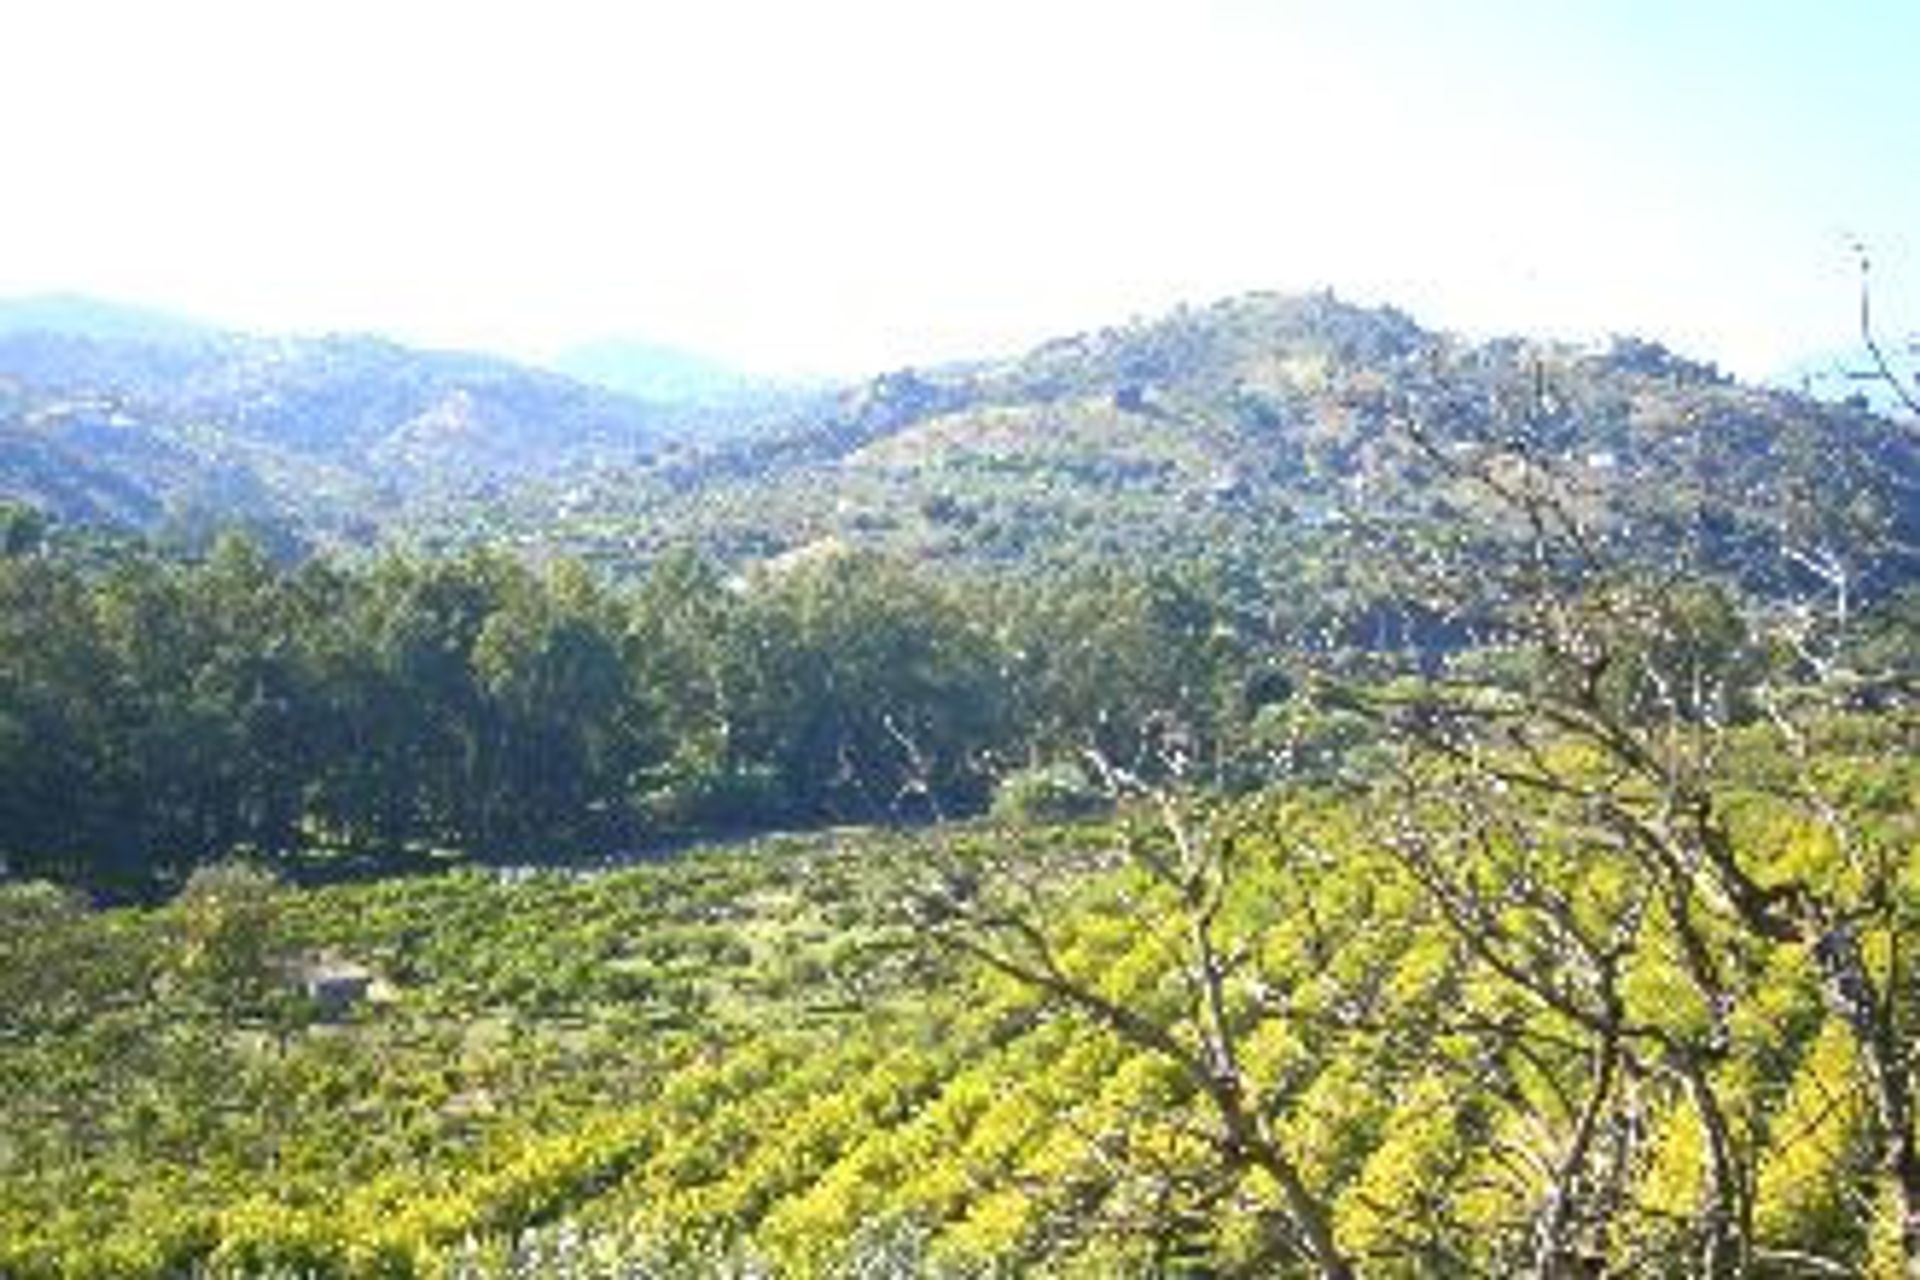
(1648, 712)
(549, 661)
(872, 690)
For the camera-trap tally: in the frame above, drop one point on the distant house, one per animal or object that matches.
(335, 985)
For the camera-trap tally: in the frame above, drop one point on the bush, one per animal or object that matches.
(231, 950)
(1059, 792)
(691, 793)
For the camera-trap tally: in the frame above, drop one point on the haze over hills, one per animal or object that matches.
(129, 417)
(78, 316)
(665, 374)
(1212, 430)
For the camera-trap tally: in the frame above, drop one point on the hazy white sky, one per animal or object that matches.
(839, 186)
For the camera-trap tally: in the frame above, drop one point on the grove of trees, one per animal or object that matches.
(158, 712)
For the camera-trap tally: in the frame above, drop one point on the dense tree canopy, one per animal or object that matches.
(159, 712)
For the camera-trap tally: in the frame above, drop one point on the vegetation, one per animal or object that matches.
(1241, 435)
(1245, 436)
(1515, 875)
(763, 1055)
(157, 714)
(131, 421)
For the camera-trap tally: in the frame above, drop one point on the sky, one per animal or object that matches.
(842, 186)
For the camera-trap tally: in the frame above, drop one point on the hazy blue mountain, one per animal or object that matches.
(77, 316)
(117, 415)
(1243, 430)
(1848, 373)
(664, 374)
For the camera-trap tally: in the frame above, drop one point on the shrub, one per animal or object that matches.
(1059, 792)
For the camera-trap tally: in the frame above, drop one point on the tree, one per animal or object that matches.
(868, 688)
(61, 779)
(23, 529)
(1699, 740)
(549, 660)
(416, 766)
(690, 667)
(1191, 1014)
(1122, 665)
(1904, 385)
(229, 954)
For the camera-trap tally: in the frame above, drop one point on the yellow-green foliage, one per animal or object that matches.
(1675, 1182)
(1334, 1122)
(635, 1055)
(1382, 1214)
(1808, 1174)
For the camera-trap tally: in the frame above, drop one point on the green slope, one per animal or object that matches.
(744, 1057)
(1240, 432)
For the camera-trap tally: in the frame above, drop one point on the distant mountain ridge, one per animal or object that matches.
(1240, 432)
(1244, 430)
(123, 416)
(79, 316)
(664, 374)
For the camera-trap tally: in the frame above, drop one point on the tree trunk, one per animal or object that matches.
(1306, 1210)
(1726, 1221)
(1553, 1255)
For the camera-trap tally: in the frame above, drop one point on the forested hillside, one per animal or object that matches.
(161, 713)
(1240, 434)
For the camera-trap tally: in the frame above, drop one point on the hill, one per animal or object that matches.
(77, 315)
(1245, 433)
(117, 420)
(1237, 432)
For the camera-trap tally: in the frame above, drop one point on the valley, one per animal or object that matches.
(1270, 790)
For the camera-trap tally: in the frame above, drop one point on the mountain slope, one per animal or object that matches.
(318, 432)
(1250, 428)
(1245, 433)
